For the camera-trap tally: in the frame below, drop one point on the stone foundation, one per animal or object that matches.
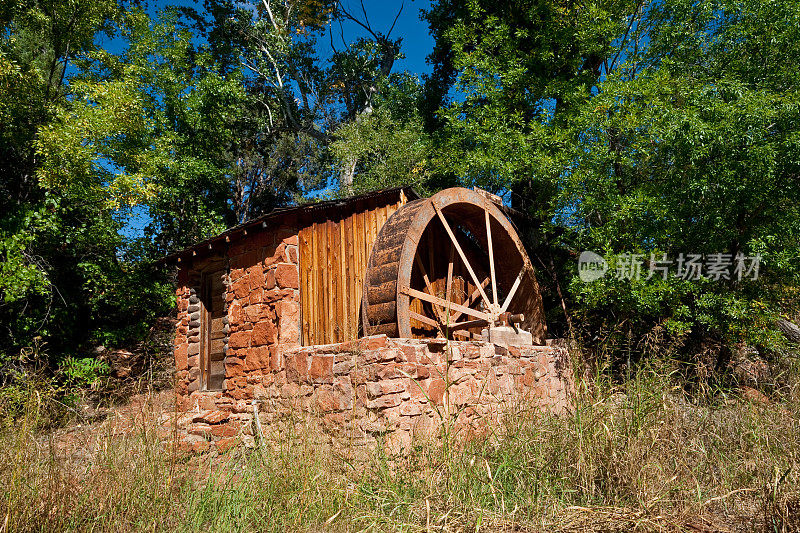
(381, 392)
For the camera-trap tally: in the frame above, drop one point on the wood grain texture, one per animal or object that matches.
(333, 254)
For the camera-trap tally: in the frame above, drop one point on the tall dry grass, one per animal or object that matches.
(641, 456)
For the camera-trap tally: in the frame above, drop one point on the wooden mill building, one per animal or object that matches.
(387, 262)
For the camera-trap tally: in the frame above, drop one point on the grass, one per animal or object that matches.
(637, 456)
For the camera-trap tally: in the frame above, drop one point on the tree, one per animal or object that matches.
(508, 78)
(312, 98)
(388, 146)
(691, 148)
(638, 127)
(53, 240)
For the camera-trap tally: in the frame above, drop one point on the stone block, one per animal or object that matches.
(327, 400)
(296, 367)
(380, 355)
(206, 403)
(264, 332)
(436, 391)
(290, 390)
(287, 276)
(269, 279)
(321, 370)
(397, 370)
(457, 375)
(288, 322)
(234, 367)
(343, 367)
(241, 287)
(229, 429)
(275, 359)
(376, 341)
(411, 408)
(239, 339)
(379, 388)
(199, 429)
(181, 357)
(291, 254)
(383, 402)
(257, 358)
(256, 277)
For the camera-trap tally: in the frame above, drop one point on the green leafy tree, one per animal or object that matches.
(52, 236)
(508, 79)
(692, 147)
(389, 146)
(638, 127)
(331, 102)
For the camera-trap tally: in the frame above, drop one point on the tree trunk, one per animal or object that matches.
(346, 175)
(790, 330)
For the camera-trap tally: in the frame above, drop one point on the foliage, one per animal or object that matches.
(695, 152)
(508, 79)
(83, 372)
(634, 127)
(389, 144)
(70, 157)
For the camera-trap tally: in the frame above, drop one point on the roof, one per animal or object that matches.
(263, 222)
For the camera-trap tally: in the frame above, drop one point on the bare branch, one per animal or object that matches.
(402, 5)
(352, 18)
(269, 12)
(366, 18)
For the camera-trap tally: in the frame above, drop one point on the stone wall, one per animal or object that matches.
(378, 391)
(261, 281)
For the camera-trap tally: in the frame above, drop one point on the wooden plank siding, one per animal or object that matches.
(334, 250)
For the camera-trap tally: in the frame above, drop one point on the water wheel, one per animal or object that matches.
(449, 266)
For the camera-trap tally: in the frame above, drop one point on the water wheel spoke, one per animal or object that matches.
(441, 302)
(425, 319)
(428, 285)
(469, 324)
(491, 256)
(513, 290)
(469, 301)
(462, 255)
(449, 286)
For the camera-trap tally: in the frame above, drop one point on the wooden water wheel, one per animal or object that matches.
(449, 266)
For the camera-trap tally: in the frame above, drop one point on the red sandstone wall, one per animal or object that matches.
(263, 311)
(390, 391)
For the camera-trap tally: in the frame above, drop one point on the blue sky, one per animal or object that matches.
(417, 42)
